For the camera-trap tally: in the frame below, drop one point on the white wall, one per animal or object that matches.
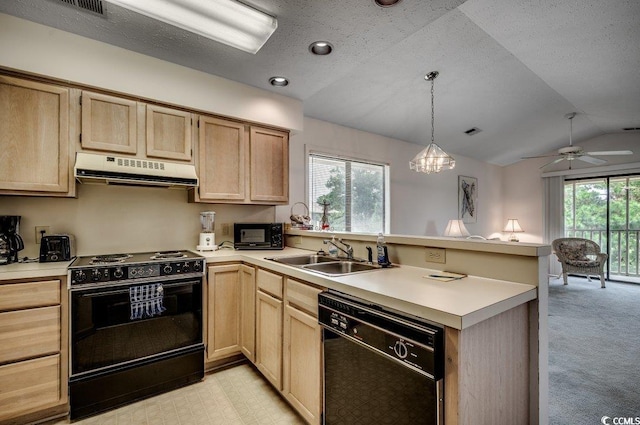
(38, 49)
(420, 204)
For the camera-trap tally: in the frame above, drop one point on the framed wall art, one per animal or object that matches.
(468, 199)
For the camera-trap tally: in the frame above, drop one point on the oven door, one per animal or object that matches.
(104, 336)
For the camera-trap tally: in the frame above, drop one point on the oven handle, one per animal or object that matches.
(126, 291)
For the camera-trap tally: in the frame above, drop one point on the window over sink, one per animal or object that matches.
(356, 190)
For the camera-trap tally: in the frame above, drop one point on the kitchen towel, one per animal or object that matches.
(146, 300)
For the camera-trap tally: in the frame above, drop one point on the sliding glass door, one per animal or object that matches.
(607, 211)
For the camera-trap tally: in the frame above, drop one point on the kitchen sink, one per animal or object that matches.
(341, 267)
(326, 265)
(301, 260)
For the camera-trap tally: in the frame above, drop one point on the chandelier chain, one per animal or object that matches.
(432, 110)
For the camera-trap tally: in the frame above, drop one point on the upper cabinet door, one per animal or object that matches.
(108, 123)
(222, 158)
(168, 133)
(34, 141)
(269, 165)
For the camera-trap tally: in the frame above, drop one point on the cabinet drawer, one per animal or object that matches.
(29, 385)
(303, 296)
(29, 333)
(270, 283)
(15, 296)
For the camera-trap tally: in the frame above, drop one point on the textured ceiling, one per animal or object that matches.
(512, 68)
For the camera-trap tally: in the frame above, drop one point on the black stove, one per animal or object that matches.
(122, 267)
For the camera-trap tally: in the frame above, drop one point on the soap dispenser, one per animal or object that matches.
(383, 254)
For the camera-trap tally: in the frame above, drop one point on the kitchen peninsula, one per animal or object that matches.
(494, 319)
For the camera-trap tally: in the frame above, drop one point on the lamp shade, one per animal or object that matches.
(456, 229)
(513, 226)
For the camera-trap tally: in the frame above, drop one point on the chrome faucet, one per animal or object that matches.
(348, 252)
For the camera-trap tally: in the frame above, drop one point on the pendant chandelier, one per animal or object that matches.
(432, 159)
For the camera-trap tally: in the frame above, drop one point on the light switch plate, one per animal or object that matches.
(436, 255)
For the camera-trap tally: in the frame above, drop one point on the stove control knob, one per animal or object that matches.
(401, 350)
(80, 276)
(197, 266)
(96, 275)
(167, 269)
(118, 273)
(186, 267)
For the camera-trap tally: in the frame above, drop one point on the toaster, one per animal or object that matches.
(56, 248)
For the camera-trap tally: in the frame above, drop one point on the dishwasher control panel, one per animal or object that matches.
(417, 345)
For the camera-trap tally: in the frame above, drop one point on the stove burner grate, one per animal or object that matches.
(110, 258)
(164, 255)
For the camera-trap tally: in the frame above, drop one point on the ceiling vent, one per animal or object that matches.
(94, 6)
(631, 129)
(472, 131)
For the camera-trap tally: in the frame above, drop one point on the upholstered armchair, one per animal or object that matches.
(580, 256)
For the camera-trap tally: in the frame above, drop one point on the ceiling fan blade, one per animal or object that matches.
(610, 153)
(555, 161)
(591, 160)
(540, 156)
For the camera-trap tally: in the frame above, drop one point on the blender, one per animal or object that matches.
(207, 237)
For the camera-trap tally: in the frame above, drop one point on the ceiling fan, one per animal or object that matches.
(571, 152)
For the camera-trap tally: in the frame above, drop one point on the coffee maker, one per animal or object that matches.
(207, 237)
(10, 241)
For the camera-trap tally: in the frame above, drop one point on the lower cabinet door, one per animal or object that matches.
(223, 315)
(29, 386)
(302, 344)
(269, 338)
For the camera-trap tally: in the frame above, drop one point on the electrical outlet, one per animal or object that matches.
(40, 229)
(436, 255)
(225, 229)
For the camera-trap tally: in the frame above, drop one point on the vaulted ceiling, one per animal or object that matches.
(512, 68)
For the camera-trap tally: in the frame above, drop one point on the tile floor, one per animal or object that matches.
(235, 396)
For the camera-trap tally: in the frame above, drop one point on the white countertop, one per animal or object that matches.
(33, 270)
(458, 304)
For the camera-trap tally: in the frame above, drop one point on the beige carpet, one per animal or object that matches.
(594, 352)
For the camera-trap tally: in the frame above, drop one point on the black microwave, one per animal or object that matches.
(258, 235)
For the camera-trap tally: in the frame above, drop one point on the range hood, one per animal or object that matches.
(107, 169)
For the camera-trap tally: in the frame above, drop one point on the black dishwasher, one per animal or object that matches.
(380, 366)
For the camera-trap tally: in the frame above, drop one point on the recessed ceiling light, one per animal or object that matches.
(278, 81)
(320, 48)
(386, 3)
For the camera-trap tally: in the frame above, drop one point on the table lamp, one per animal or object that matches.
(514, 227)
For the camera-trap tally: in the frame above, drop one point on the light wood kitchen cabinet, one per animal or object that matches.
(168, 133)
(302, 350)
(109, 123)
(35, 138)
(269, 307)
(222, 152)
(33, 349)
(241, 164)
(248, 312)
(269, 165)
(223, 311)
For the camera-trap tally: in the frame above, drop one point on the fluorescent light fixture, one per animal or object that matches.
(225, 21)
